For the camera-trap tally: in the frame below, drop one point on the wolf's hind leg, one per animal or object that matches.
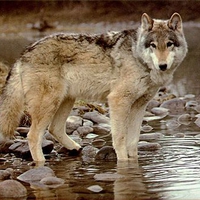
(58, 125)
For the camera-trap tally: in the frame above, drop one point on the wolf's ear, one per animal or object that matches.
(146, 22)
(175, 22)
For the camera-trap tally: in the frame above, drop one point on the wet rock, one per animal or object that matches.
(87, 122)
(106, 153)
(95, 188)
(68, 152)
(89, 151)
(5, 174)
(147, 146)
(185, 119)
(102, 129)
(197, 122)
(72, 123)
(159, 111)
(52, 181)
(172, 124)
(91, 136)
(146, 128)
(23, 130)
(179, 135)
(84, 130)
(12, 189)
(176, 106)
(152, 104)
(191, 104)
(96, 117)
(150, 136)
(36, 174)
(98, 143)
(21, 148)
(4, 146)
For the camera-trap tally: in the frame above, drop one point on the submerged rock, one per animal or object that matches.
(106, 153)
(12, 189)
(148, 146)
(52, 181)
(36, 174)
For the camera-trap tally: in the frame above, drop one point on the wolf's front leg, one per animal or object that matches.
(120, 107)
(135, 121)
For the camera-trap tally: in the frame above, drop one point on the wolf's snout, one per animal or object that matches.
(163, 67)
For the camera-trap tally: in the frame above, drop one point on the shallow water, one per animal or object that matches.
(172, 172)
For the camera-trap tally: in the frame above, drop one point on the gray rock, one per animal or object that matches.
(98, 143)
(147, 146)
(150, 136)
(87, 122)
(12, 189)
(96, 117)
(21, 148)
(72, 123)
(176, 106)
(152, 104)
(106, 153)
(36, 174)
(102, 129)
(95, 188)
(84, 130)
(159, 111)
(4, 174)
(89, 151)
(52, 181)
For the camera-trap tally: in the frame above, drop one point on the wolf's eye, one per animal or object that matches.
(153, 45)
(169, 44)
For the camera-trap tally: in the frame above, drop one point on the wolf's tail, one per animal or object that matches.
(11, 103)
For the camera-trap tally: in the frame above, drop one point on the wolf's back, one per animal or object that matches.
(11, 103)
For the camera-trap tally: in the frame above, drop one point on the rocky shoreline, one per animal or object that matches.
(88, 124)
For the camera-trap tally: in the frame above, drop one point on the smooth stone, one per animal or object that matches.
(185, 119)
(176, 106)
(96, 117)
(89, 151)
(197, 121)
(191, 104)
(159, 111)
(95, 188)
(12, 189)
(4, 174)
(98, 143)
(91, 136)
(150, 136)
(106, 153)
(36, 174)
(152, 104)
(147, 146)
(172, 124)
(23, 130)
(52, 181)
(179, 135)
(87, 122)
(72, 123)
(146, 128)
(21, 148)
(102, 129)
(84, 130)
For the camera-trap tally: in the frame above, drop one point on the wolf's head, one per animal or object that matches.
(161, 43)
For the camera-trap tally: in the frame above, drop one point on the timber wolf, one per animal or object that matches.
(126, 68)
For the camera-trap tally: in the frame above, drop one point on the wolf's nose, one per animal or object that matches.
(163, 67)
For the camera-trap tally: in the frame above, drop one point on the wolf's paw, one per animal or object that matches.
(106, 153)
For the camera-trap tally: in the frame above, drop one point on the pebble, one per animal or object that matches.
(84, 130)
(146, 128)
(172, 124)
(96, 117)
(52, 181)
(95, 188)
(160, 111)
(179, 135)
(150, 136)
(152, 104)
(12, 189)
(89, 151)
(102, 129)
(148, 146)
(72, 123)
(98, 143)
(185, 119)
(4, 174)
